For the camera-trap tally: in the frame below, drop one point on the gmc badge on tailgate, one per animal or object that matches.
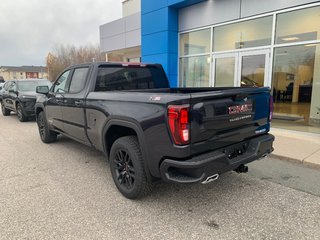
(243, 108)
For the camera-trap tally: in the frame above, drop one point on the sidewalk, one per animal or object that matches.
(297, 146)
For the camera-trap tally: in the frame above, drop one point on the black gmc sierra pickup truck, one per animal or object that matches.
(150, 131)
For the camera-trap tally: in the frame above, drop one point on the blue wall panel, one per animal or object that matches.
(155, 43)
(159, 20)
(159, 30)
(173, 2)
(173, 80)
(173, 42)
(172, 64)
(183, 3)
(160, 42)
(173, 19)
(152, 5)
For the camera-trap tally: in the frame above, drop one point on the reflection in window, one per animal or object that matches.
(119, 78)
(13, 87)
(252, 70)
(224, 72)
(195, 42)
(61, 85)
(296, 78)
(78, 80)
(251, 33)
(194, 71)
(297, 26)
(31, 85)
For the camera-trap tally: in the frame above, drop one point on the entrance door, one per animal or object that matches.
(245, 69)
(225, 68)
(254, 68)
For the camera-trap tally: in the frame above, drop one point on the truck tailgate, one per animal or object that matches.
(226, 117)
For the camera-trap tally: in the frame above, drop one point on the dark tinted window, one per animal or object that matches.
(78, 79)
(129, 78)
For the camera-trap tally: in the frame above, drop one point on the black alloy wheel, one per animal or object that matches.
(5, 111)
(127, 168)
(20, 114)
(124, 169)
(41, 126)
(46, 135)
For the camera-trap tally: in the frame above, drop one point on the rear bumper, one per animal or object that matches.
(220, 161)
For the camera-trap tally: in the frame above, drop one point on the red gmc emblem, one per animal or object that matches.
(240, 108)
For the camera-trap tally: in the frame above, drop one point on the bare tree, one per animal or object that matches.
(63, 56)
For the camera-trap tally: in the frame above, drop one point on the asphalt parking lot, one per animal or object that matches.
(65, 190)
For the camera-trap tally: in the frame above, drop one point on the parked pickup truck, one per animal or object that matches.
(150, 131)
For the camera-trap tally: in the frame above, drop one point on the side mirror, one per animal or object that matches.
(12, 91)
(42, 89)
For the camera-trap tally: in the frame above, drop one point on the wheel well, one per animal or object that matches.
(115, 132)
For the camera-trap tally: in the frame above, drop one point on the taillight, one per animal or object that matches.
(178, 119)
(270, 108)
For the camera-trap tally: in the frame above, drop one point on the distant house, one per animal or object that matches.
(23, 72)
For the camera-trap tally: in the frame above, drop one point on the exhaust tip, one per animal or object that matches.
(210, 179)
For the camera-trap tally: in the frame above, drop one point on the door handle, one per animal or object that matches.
(78, 103)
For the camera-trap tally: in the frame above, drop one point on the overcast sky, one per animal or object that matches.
(29, 29)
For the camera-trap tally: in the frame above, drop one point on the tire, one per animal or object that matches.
(5, 111)
(46, 135)
(127, 169)
(21, 116)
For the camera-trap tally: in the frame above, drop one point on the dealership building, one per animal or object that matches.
(213, 43)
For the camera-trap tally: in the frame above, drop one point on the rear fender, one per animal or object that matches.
(139, 132)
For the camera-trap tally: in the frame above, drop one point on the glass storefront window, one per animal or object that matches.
(195, 42)
(194, 71)
(251, 33)
(224, 72)
(253, 70)
(296, 82)
(299, 25)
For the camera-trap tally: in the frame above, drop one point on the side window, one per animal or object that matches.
(78, 79)
(12, 86)
(6, 86)
(61, 85)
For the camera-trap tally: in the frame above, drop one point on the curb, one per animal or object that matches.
(311, 165)
(280, 157)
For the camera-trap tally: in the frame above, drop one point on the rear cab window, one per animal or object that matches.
(117, 77)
